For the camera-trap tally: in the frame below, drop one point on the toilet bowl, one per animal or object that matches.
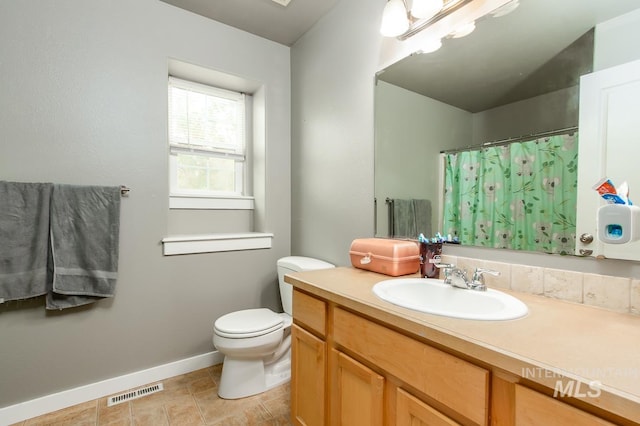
(256, 343)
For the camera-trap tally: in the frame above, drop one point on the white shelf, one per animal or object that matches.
(208, 243)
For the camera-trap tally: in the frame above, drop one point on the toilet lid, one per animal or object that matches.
(248, 323)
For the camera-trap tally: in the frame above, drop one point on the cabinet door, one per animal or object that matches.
(411, 411)
(608, 147)
(308, 362)
(449, 380)
(534, 409)
(357, 393)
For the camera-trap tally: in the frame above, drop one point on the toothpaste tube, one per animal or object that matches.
(613, 199)
(623, 192)
(605, 186)
(608, 192)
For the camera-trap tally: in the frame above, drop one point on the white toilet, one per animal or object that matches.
(257, 342)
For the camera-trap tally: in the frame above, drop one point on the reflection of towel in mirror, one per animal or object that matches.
(411, 217)
(85, 223)
(422, 211)
(403, 218)
(24, 239)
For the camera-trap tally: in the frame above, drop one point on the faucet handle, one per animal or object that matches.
(448, 268)
(445, 265)
(480, 271)
(478, 277)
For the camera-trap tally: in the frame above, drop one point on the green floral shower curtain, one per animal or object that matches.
(517, 196)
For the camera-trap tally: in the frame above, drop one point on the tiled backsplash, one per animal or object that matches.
(604, 291)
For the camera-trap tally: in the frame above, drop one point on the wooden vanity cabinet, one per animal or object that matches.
(533, 408)
(308, 361)
(341, 363)
(348, 370)
(447, 382)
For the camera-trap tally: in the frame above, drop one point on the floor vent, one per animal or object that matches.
(135, 394)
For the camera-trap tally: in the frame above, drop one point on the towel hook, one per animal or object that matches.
(124, 191)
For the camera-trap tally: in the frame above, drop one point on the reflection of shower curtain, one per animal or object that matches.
(519, 196)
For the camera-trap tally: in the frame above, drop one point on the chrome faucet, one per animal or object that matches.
(457, 277)
(447, 269)
(477, 281)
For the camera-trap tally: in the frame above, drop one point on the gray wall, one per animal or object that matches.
(332, 137)
(410, 131)
(555, 110)
(83, 101)
(332, 69)
(616, 41)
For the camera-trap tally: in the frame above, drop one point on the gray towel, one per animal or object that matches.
(85, 222)
(422, 210)
(403, 219)
(24, 239)
(411, 217)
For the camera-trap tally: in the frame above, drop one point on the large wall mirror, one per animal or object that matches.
(515, 76)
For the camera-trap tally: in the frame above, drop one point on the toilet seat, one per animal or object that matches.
(248, 323)
(286, 319)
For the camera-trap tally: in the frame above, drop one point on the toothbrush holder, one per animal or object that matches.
(430, 254)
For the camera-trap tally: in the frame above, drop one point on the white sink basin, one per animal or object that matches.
(436, 297)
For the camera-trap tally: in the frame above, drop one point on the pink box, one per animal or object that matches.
(386, 256)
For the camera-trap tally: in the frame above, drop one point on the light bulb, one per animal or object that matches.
(394, 19)
(425, 9)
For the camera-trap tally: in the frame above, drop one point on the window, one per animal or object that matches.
(207, 140)
(217, 146)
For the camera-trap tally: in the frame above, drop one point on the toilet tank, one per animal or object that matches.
(295, 264)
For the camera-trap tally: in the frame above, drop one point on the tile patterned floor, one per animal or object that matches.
(190, 399)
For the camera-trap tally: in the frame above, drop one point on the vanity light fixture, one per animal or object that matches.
(405, 18)
(394, 19)
(397, 16)
(426, 9)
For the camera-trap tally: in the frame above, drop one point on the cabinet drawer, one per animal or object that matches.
(456, 383)
(310, 312)
(533, 408)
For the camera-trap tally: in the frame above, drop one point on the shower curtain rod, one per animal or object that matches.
(511, 140)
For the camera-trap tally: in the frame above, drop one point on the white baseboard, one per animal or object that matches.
(46, 404)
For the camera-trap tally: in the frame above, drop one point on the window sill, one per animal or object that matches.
(210, 203)
(209, 243)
